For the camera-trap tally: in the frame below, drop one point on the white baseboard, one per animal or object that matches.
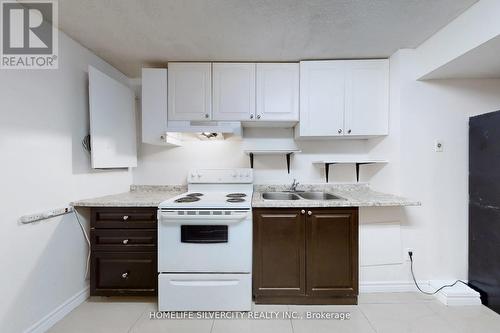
(458, 295)
(389, 286)
(58, 313)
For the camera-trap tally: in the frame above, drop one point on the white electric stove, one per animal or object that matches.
(205, 243)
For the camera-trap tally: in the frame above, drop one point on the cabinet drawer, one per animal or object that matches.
(123, 240)
(123, 274)
(124, 218)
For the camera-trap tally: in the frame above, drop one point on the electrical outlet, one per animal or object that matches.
(438, 146)
(407, 255)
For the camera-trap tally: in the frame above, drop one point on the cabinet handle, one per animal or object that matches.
(125, 217)
(309, 213)
(258, 116)
(302, 212)
(125, 241)
(340, 131)
(349, 132)
(207, 115)
(251, 116)
(125, 275)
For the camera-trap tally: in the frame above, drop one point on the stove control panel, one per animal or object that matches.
(221, 176)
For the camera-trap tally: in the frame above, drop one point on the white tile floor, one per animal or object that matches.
(391, 312)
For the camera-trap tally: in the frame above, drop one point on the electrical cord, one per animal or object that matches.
(87, 265)
(86, 143)
(410, 253)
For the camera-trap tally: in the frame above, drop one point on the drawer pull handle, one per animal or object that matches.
(125, 217)
(309, 213)
(125, 241)
(125, 275)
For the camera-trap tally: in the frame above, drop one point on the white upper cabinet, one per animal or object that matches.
(233, 91)
(112, 122)
(322, 98)
(189, 91)
(367, 92)
(277, 92)
(344, 98)
(154, 105)
(154, 108)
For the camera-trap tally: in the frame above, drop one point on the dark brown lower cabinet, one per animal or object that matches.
(124, 273)
(305, 256)
(123, 251)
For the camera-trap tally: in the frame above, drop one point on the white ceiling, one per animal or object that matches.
(482, 62)
(132, 33)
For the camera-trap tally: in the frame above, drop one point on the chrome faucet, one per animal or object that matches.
(293, 187)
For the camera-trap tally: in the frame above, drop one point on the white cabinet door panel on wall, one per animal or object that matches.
(154, 109)
(189, 91)
(322, 98)
(154, 105)
(112, 122)
(277, 91)
(233, 91)
(367, 98)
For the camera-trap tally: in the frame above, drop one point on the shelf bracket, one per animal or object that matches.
(288, 162)
(327, 170)
(251, 160)
(357, 170)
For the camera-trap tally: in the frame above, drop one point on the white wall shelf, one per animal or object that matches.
(287, 152)
(358, 163)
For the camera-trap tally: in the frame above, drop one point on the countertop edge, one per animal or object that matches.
(359, 196)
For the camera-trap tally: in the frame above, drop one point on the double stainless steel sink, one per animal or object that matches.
(299, 196)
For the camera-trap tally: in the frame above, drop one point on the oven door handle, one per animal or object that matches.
(198, 219)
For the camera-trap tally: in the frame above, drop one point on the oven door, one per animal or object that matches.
(205, 241)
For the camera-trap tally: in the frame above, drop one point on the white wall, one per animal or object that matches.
(431, 110)
(474, 27)
(158, 165)
(43, 118)
(420, 113)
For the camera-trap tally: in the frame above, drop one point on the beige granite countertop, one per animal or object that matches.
(138, 196)
(355, 195)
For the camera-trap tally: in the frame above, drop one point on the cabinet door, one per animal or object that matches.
(279, 252)
(278, 92)
(154, 105)
(322, 98)
(189, 91)
(332, 252)
(234, 91)
(123, 273)
(112, 122)
(367, 98)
